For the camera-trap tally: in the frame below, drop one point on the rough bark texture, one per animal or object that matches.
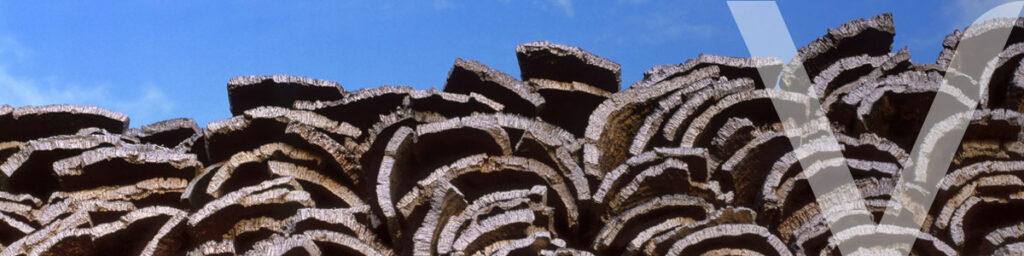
(692, 160)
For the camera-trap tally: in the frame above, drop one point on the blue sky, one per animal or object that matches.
(166, 59)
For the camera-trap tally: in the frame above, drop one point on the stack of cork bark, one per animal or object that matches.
(691, 160)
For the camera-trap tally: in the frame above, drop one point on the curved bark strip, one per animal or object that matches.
(30, 169)
(16, 220)
(691, 160)
(124, 165)
(468, 76)
(725, 66)
(563, 63)
(34, 122)
(360, 108)
(575, 88)
(277, 198)
(627, 230)
(849, 75)
(266, 124)
(871, 239)
(872, 37)
(248, 92)
(468, 175)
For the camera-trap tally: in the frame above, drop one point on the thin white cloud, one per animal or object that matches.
(566, 6)
(442, 4)
(658, 26)
(148, 105)
(966, 11)
(633, 1)
(666, 27)
(10, 48)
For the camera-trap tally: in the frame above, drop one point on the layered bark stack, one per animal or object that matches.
(692, 160)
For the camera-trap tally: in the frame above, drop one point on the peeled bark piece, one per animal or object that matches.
(148, 231)
(624, 117)
(277, 198)
(846, 76)
(123, 165)
(16, 218)
(877, 236)
(567, 64)
(368, 108)
(1012, 93)
(627, 231)
(195, 197)
(301, 129)
(756, 106)
(979, 33)
(857, 70)
(70, 234)
(571, 81)
(565, 252)
(537, 243)
(872, 37)
(361, 108)
(996, 134)
(467, 133)
(30, 170)
(915, 92)
(8, 148)
(382, 132)
(473, 77)
(1004, 240)
(247, 92)
(990, 135)
(75, 241)
(358, 222)
(313, 231)
(653, 174)
(324, 191)
(790, 207)
(751, 164)
(249, 168)
(12, 228)
(182, 134)
(867, 157)
(169, 133)
(292, 245)
(94, 211)
(307, 230)
(160, 191)
(411, 154)
(409, 161)
(570, 107)
(996, 78)
(455, 226)
(729, 230)
(641, 118)
(974, 206)
(334, 243)
(725, 66)
(281, 116)
(218, 248)
(477, 175)
(451, 105)
(33, 122)
(706, 94)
